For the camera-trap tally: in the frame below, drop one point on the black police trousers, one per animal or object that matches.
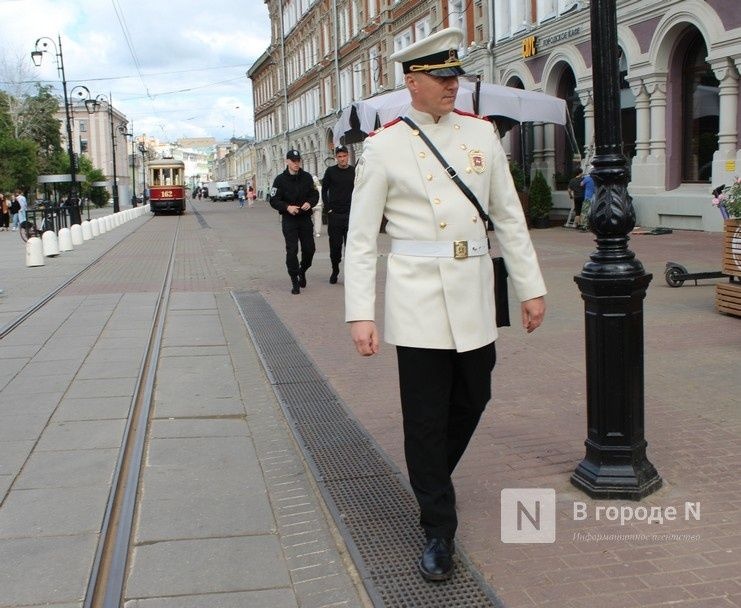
(443, 394)
(337, 224)
(298, 229)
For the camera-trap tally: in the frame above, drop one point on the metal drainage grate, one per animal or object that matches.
(371, 504)
(199, 217)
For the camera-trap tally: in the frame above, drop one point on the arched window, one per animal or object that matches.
(700, 113)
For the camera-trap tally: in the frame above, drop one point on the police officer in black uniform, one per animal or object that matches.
(294, 195)
(337, 186)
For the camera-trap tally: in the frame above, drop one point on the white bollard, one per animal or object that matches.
(34, 252)
(65, 239)
(50, 243)
(76, 231)
(87, 230)
(95, 227)
(102, 225)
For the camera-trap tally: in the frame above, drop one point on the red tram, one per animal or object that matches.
(166, 185)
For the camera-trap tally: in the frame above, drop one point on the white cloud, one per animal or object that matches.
(193, 57)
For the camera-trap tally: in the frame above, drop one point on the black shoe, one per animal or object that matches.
(436, 563)
(302, 278)
(295, 289)
(333, 276)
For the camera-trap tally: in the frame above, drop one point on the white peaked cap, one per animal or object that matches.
(436, 55)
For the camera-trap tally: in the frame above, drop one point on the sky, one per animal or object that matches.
(175, 68)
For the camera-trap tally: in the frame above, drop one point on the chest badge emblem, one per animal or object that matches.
(477, 161)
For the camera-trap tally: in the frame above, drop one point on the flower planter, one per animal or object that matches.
(728, 295)
(732, 247)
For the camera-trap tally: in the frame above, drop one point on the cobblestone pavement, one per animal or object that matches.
(533, 431)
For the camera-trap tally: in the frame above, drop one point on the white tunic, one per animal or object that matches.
(442, 303)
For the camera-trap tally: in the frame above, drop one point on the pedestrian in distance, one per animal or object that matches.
(15, 208)
(439, 299)
(241, 196)
(294, 195)
(587, 183)
(22, 205)
(576, 194)
(4, 213)
(251, 196)
(337, 187)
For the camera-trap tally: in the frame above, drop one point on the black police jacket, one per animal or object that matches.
(293, 190)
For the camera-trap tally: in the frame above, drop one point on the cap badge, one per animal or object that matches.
(477, 161)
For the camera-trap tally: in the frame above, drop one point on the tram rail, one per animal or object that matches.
(106, 583)
(108, 575)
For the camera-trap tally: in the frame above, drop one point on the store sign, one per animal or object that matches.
(559, 37)
(528, 47)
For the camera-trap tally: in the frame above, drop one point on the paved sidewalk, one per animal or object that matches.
(229, 515)
(533, 432)
(531, 435)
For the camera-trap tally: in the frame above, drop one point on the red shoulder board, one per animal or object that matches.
(471, 114)
(388, 124)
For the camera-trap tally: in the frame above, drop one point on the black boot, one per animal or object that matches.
(302, 278)
(335, 273)
(296, 285)
(436, 563)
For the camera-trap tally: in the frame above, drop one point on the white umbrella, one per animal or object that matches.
(494, 100)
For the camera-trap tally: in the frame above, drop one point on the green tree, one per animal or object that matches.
(18, 164)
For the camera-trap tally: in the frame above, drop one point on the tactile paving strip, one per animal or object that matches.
(373, 508)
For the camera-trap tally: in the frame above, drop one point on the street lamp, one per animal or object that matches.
(143, 150)
(37, 56)
(125, 133)
(613, 285)
(92, 106)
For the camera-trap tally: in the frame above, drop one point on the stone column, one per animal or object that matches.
(724, 159)
(643, 119)
(549, 154)
(538, 143)
(643, 178)
(585, 97)
(648, 174)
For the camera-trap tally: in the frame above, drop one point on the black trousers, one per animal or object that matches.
(298, 229)
(443, 394)
(337, 224)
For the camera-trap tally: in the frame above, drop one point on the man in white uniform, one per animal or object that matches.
(439, 309)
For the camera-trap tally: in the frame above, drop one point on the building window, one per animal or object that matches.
(457, 18)
(502, 22)
(422, 29)
(700, 113)
(83, 126)
(372, 9)
(401, 41)
(345, 87)
(547, 9)
(374, 65)
(357, 81)
(83, 146)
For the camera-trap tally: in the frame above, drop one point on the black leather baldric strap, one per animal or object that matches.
(449, 170)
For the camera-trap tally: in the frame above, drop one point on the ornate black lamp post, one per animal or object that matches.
(143, 150)
(613, 285)
(37, 55)
(92, 106)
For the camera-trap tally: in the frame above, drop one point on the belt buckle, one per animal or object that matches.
(460, 250)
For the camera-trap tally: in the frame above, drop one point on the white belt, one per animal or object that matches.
(440, 249)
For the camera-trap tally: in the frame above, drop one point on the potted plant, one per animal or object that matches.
(728, 201)
(541, 201)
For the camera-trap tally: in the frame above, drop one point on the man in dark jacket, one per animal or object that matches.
(294, 195)
(337, 186)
